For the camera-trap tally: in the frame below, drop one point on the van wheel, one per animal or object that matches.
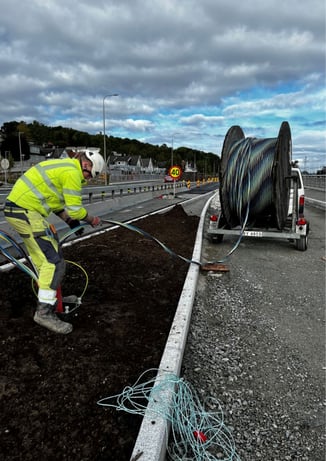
(217, 238)
(302, 243)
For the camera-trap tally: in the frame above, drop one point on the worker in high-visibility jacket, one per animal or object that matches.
(51, 186)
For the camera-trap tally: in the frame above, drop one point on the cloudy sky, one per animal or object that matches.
(185, 71)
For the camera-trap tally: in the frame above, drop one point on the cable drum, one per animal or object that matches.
(254, 188)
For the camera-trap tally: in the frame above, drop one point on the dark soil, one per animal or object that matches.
(50, 384)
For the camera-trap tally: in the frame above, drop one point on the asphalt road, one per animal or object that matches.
(118, 209)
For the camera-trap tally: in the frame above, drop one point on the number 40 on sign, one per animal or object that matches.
(175, 172)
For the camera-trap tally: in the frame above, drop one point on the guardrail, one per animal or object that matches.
(114, 192)
(121, 191)
(314, 181)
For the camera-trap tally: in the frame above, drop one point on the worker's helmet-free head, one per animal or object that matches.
(98, 163)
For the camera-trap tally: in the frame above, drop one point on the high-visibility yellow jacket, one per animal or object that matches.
(51, 186)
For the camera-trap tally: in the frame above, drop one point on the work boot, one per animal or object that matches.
(45, 317)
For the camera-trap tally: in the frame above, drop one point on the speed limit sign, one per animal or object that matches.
(175, 172)
(5, 164)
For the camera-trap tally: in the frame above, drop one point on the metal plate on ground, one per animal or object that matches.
(216, 267)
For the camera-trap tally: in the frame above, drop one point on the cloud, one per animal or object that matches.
(190, 67)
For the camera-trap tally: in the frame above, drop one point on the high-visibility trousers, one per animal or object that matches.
(43, 247)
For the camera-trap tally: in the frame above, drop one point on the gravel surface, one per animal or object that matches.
(259, 390)
(238, 353)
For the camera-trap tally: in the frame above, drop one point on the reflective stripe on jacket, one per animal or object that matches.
(51, 186)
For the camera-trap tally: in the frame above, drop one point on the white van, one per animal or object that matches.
(296, 174)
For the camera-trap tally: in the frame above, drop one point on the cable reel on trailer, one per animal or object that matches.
(253, 175)
(254, 194)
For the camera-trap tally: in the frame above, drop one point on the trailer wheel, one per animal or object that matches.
(302, 243)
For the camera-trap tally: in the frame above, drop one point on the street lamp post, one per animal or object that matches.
(20, 152)
(172, 147)
(104, 136)
(172, 163)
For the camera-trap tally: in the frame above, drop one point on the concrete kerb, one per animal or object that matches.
(152, 438)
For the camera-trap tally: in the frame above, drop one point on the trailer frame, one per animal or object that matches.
(296, 228)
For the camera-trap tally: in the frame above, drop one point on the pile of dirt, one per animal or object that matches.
(50, 384)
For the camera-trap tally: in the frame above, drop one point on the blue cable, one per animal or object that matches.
(150, 237)
(31, 272)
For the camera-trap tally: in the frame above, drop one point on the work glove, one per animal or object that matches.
(95, 221)
(72, 223)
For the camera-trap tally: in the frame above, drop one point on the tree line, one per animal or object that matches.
(18, 136)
